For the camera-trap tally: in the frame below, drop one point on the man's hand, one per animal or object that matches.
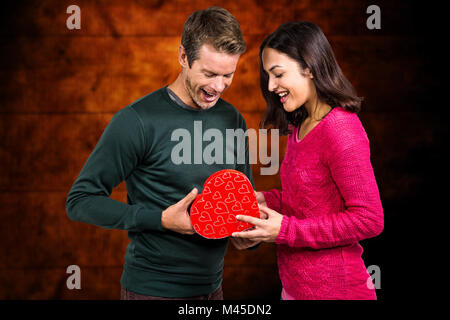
(176, 217)
(260, 198)
(261, 203)
(241, 243)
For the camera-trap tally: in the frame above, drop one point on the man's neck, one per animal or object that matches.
(178, 101)
(178, 87)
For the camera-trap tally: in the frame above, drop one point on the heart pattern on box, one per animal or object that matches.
(226, 194)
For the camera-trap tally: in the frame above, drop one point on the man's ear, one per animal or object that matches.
(182, 57)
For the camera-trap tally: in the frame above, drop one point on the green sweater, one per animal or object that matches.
(138, 146)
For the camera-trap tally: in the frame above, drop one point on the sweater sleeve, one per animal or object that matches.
(273, 199)
(118, 152)
(348, 159)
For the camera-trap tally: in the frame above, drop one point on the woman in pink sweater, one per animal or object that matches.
(329, 199)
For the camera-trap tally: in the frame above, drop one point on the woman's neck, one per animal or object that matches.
(317, 110)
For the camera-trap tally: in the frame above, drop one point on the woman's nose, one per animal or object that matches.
(272, 85)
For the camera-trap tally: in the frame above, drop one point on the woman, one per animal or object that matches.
(329, 199)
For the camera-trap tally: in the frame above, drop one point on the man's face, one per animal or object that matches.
(209, 76)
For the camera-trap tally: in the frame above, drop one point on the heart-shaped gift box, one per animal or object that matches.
(226, 194)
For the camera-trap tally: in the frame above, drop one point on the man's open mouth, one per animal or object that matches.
(209, 96)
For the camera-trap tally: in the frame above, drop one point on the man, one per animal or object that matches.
(165, 258)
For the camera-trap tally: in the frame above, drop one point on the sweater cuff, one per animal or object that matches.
(148, 220)
(283, 236)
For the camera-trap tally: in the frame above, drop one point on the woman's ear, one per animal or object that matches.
(307, 73)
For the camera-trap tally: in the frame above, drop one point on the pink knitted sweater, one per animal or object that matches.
(330, 201)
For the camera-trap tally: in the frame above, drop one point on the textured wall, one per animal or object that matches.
(59, 89)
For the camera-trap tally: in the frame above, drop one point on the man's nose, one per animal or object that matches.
(219, 84)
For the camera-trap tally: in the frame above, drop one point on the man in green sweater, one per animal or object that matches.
(165, 258)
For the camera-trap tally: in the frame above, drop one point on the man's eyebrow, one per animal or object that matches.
(207, 71)
(211, 72)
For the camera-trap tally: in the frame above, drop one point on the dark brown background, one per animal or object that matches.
(59, 88)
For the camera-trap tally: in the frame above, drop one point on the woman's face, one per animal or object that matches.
(293, 85)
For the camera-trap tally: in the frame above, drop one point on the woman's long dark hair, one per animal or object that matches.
(305, 42)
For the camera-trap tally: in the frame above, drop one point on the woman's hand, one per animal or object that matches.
(265, 230)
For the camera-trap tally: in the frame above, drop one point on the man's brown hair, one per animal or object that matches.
(214, 26)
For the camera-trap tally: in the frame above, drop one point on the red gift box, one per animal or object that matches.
(226, 194)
